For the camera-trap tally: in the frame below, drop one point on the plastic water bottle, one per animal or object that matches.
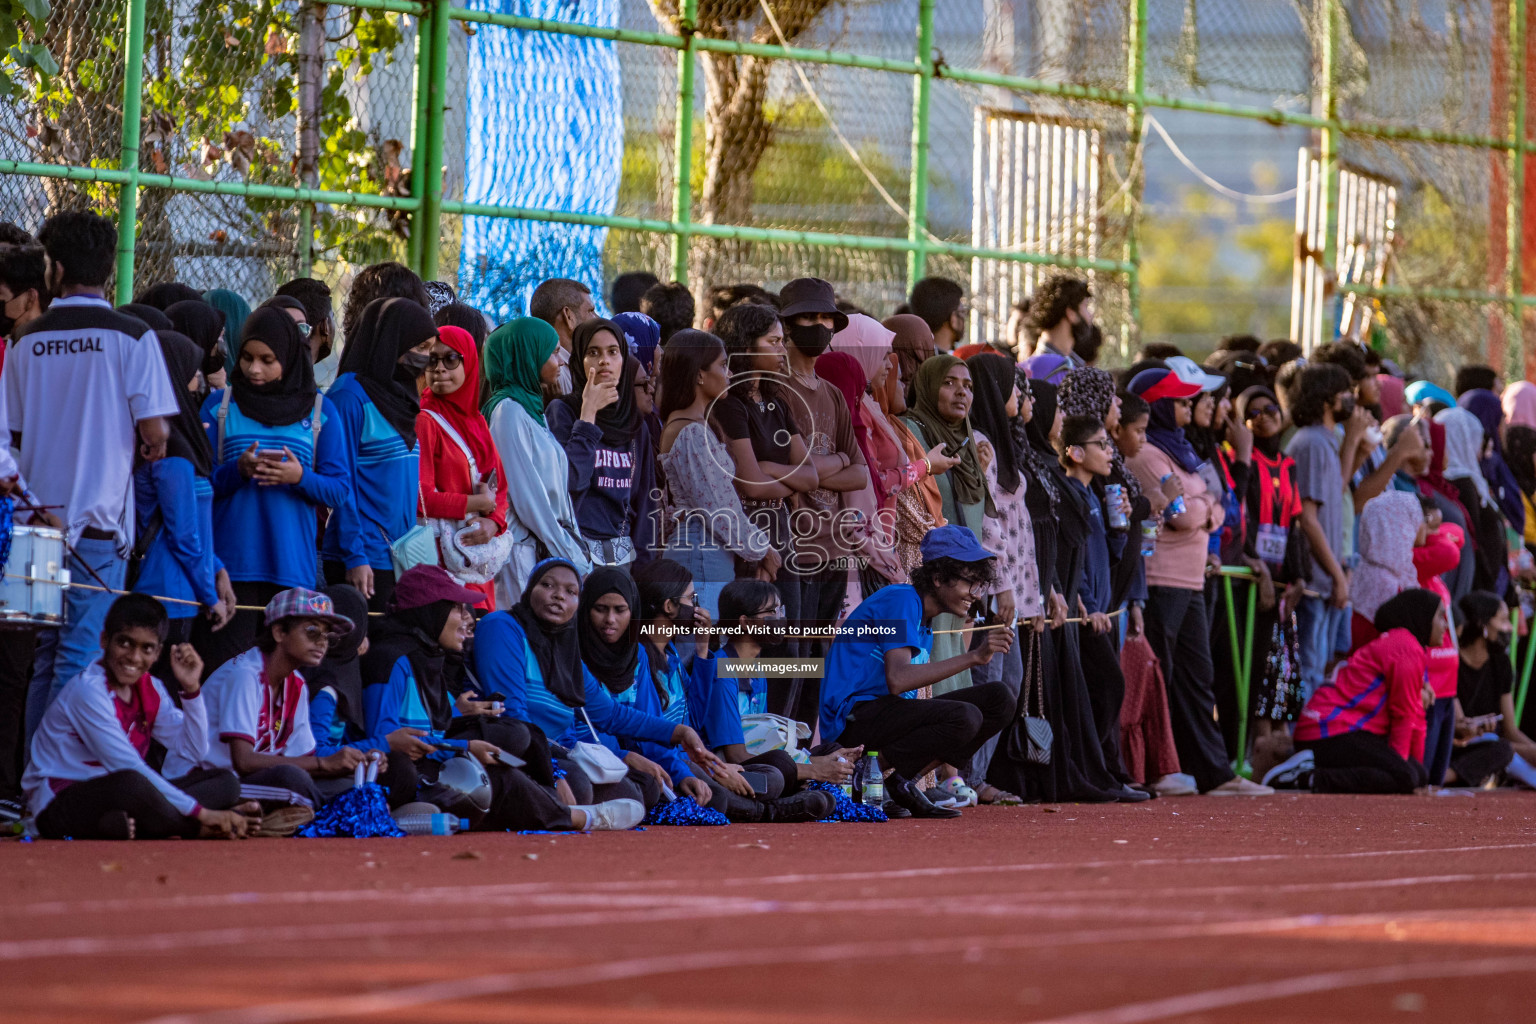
(847, 787)
(1148, 538)
(1117, 517)
(1176, 507)
(871, 781)
(432, 824)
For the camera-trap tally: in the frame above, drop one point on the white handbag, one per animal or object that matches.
(596, 761)
(764, 732)
(469, 563)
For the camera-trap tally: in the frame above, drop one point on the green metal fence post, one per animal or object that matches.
(437, 106)
(1137, 79)
(423, 73)
(128, 159)
(917, 195)
(1514, 353)
(682, 157)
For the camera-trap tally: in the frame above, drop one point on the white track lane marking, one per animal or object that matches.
(475, 893)
(335, 1007)
(1307, 984)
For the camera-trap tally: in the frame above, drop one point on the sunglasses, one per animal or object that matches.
(1263, 410)
(317, 634)
(303, 327)
(450, 361)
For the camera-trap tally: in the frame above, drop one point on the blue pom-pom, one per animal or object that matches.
(845, 809)
(361, 812)
(684, 811)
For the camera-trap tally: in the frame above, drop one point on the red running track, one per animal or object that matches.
(1296, 909)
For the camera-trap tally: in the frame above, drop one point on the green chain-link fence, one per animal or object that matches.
(241, 142)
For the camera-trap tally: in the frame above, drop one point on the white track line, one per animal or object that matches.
(653, 909)
(327, 896)
(1307, 984)
(335, 1007)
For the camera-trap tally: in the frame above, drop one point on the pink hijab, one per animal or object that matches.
(1520, 403)
(1388, 525)
(869, 343)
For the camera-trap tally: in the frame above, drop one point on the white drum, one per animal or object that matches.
(32, 591)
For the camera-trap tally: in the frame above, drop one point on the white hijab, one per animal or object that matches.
(1464, 449)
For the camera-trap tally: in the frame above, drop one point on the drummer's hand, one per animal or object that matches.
(43, 517)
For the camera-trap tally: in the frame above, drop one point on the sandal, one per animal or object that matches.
(990, 794)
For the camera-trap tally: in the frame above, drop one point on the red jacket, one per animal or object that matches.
(1439, 554)
(1378, 689)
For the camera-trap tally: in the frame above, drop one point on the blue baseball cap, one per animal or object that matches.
(953, 542)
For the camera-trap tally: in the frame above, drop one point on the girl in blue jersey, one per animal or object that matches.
(275, 471)
(173, 500)
(532, 656)
(376, 402)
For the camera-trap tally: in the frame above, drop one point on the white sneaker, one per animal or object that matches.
(1295, 772)
(1176, 784)
(1240, 787)
(614, 815)
(941, 797)
(964, 795)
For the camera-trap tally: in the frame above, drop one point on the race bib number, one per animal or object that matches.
(1271, 543)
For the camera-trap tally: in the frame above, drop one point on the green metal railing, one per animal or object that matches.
(427, 203)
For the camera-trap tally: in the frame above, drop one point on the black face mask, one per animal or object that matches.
(7, 324)
(811, 339)
(685, 614)
(410, 366)
(1502, 638)
(1086, 341)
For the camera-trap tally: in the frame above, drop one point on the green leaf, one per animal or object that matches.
(37, 10)
(43, 59)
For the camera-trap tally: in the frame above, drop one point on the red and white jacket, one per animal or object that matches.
(88, 732)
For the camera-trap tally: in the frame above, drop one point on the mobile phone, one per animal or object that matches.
(952, 450)
(490, 480)
(275, 454)
(758, 783)
(495, 698)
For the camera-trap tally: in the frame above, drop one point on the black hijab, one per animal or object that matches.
(1205, 440)
(556, 647)
(188, 439)
(1043, 496)
(389, 329)
(1413, 610)
(1268, 446)
(993, 378)
(150, 316)
(620, 420)
(203, 324)
(413, 633)
(613, 664)
(290, 398)
(166, 294)
(342, 669)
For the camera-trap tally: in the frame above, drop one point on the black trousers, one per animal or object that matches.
(1179, 632)
(383, 583)
(87, 810)
(912, 735)
(239, 634)
(17, 647)
(818, 603)
(633, 786)
(1362, 762)
(521, 798)
(777, 774)
(1106, 694)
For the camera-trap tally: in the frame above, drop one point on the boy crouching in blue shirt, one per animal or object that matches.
(880, 656)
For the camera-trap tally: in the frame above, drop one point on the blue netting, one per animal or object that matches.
(545, 130)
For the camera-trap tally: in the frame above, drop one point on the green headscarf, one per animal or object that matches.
(967, 480)
(514, 354)
(235, 310)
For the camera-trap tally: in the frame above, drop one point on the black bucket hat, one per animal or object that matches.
(811, 295)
